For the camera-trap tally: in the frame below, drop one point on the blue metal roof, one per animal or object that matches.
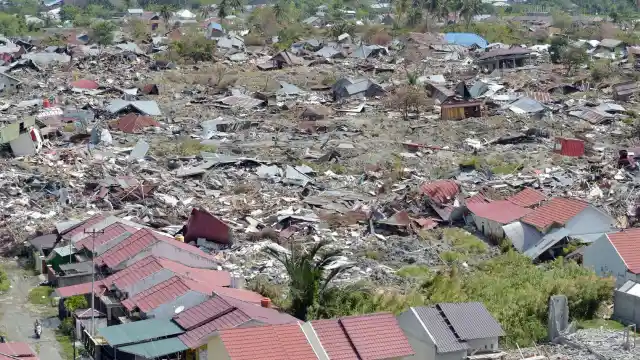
(465, 39)
(215, 25)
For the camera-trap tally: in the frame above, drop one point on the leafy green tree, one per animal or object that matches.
(69, 12)
(414, 16)
(309, 273)
(76, 302)
(557, 48)
(12, 25)
(166, 11)
(442, 9)
(470, 8)
(127, 4)
(102, 32)
(228, 7)
(281, 10)
(401, 7)
(574, 57)
(561, 20)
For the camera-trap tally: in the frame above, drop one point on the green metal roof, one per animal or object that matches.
(154, 349)
(139, 331)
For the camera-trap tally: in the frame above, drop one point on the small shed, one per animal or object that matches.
(568, 146)
(460, 110)
(626, 303)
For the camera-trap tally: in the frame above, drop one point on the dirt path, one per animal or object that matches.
(18, 315)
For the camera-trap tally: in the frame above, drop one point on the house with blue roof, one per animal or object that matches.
(214, 30)
(466, 39)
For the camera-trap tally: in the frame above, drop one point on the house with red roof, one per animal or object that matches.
(490, 217)
(546, 229)
(443, 197)
(616, 254)
(528, 197)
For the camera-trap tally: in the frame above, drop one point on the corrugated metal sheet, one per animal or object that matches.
(444, 337)
(471, 320)
(569, 147)
(156, 348)
(139, 331)
(527, 197)
(556, 211)
(440, 191)
(540, 96)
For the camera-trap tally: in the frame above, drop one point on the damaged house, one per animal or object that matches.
(548, 228)
(346, 87)
(443, 197)
(615, 254)
(503, 59)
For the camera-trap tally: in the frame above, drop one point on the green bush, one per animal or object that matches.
(74, 303)
(5, 283)
(194, 48)
(40, 295)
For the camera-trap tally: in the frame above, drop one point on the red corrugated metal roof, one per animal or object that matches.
(79, 289)
(440, 191)
(334, 340)
(79, 229)
(527, 197)
(569, 147)
(556, 211)
(110, 232)
(502, 211)
(477, 198)
(17, 350)
(626, 243)
(240, 294)
(269, 342)
(165, 292)
(128, 248)
(540, 96)
(222, 312)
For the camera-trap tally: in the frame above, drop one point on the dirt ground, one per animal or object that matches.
(18, 314)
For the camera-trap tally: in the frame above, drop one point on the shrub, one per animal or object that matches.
(76, 302)
(193, 48)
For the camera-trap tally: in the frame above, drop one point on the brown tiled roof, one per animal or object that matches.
(269, 342)
(139, 241)
(363, 337)
(79, 229)
(626, 243)
(109, 233)
(165, 292)
(527, 197)
(222, 312)
(556, 211)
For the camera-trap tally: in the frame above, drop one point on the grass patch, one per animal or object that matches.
(451, 257)
(600, 323)
(464, 242)
(372, 254)
(5, 283)
(40, 295)
(415, 271)
(505, 168)
(66, 345)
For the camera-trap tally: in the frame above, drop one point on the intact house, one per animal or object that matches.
(615, 254)
(451, 331)
(503, 59)
(547, 229)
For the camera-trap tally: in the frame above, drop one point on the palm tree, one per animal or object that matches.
(205, 11)
(280, 10)
(469, 9)
(224, 9)
(308, 276)
(442, 10)
(165, 13)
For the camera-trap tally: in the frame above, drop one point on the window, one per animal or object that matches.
(492, 346)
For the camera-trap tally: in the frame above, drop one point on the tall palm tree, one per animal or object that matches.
(280, 10)
(469, 9)
(165, 13)
(310, 272)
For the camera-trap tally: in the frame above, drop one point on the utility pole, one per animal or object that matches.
(93, 233)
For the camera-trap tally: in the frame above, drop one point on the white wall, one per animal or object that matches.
(482, 344)
(23, 145)
(149, 281)
(167, 310)
(491, 228)
(603, 258)
(420, 340)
